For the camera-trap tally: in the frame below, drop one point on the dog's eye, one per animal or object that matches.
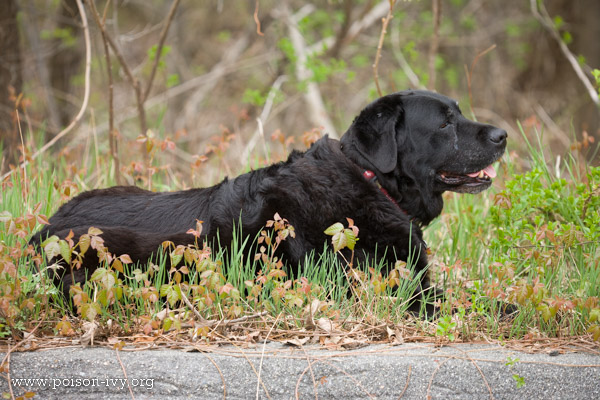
(445, 124)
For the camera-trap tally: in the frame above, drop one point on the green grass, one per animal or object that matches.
(532, 240)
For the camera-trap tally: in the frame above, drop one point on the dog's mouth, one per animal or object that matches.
(473, 182)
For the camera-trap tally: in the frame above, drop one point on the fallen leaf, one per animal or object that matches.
(309, 322)
(90, 329)
(296, 341)
(325, 324)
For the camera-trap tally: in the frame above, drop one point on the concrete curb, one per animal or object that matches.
(378, 371)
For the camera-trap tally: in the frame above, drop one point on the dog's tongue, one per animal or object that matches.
(489, 171)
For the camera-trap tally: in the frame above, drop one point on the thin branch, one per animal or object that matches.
(365, 21)
(31, 29)
(406, 68)
(206, 322)
(470, 72)
(435, 41)
(86, 94)
(264, 115)
(161, 43)
(317, 111)
(368, 19)
(228, 59)
(546, 22)
(258, 32)
(385, 22)
(135, 83)
(343, 31)
(112, 134)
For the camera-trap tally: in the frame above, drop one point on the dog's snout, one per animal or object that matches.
(497, 136)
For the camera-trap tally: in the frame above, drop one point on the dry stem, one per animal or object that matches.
(470, 72)
(385, 21)
(112, 134)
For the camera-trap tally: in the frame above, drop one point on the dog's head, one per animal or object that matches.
(419, 144)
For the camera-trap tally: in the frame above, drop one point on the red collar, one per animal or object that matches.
(371, 177)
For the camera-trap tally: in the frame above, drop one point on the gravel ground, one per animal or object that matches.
(384, 372)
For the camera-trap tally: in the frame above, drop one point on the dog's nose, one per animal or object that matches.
(497, 135)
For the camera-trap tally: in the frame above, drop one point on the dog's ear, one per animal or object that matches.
(374, 134)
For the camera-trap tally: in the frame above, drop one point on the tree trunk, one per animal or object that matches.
(66, 60)
(10, 82)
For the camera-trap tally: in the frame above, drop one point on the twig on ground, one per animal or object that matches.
(356, 381)
(220, 373)
(312, 374)
(407, 382)
(262, 356)
(9, 381)
(439, 366)
(478, 369)
(125, 374)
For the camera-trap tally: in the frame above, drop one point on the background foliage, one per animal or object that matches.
(216, 71)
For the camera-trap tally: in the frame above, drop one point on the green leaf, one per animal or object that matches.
(545, 311)
(94, 231)
(519, 380)
(595, 331)
(167, 324)
(84, 243)
(335, 228)
(175, 258)
(351, 238)
(172, 80)
(558, 22)
(339, 241)
(65, 251)
(595, 315)
(90, 310)
(102, 297)
(105, 277)
(172, 293)
(117, 265)
(51, 247)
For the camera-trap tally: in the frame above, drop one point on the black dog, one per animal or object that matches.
(387, 173)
